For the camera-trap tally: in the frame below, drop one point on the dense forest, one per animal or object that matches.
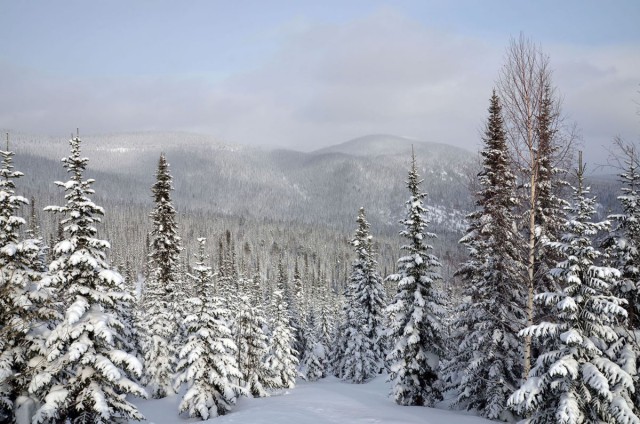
(501, 280)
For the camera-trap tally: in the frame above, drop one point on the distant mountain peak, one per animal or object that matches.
(387, 144)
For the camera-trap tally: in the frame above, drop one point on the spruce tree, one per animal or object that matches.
(417, 309)
(182, 291)
(325, 319)
(296, 309)
(87, 377)
(253, 347)
(486, 366)
(127, 310)
(318, 334)
(207, 360)
(313, 362)
(282, 359)
(228, 274)
(160, 287)
(346, 320)
(25, 304)
(550, 215)
(364, 354)
(623, 253)
(574, 379)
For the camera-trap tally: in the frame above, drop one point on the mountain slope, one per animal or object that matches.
(325, 187)
(391, 145)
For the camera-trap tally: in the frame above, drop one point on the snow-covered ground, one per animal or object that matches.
(326, 401)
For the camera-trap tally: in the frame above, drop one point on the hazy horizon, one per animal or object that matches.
(302, 75)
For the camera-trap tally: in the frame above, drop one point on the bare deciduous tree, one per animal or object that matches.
(540, 145)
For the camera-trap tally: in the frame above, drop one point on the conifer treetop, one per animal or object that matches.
(10, 203)
(164, 182)
(416, 313)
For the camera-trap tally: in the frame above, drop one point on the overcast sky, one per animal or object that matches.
(306, 74)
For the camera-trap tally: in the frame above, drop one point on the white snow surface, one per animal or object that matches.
(327, 401)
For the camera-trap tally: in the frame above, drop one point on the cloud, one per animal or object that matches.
(41, 103)
(381, 74)
(326, 83)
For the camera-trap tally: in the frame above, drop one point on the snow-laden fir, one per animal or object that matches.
(623, 253)
(486, 365)
(253, 345)
(575, 379)
(416, 314)
(282, 359)
(160, 295)
(208, 359)
(362, 331)
(26, 305)
(86, 377)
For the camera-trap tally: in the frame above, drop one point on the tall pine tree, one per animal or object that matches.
(623, 253)
(282, 359)
(253, 347)
(296, 308)
(207, 360)
(25, 305)
(313, 361)
(364, 353)
(159, 298)
(87, 377)
(575, 380)
(487, 364)
(418, 308)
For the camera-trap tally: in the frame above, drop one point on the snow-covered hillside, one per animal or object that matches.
(327, 401)
(391, 145)
(323, 187)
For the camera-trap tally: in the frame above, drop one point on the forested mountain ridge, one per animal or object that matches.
(293, 201)
(322, 187)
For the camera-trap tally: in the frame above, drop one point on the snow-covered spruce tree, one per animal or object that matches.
(364, 354)
(313, 362)
(282, 282)
(127, 310)
(296, 308)
(227, 272)
(90, 376)
(253, 347)
(254, 291)
(182, 292)
(486, 366)
(550, 213)
(416, 343)
(282, 359)
(574, 380)
(160, 321)
(346, 320)
(34, 232)
(325, 324)
(623, 253)
(25, 305)
(207, 360)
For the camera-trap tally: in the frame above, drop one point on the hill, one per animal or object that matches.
(324, 187)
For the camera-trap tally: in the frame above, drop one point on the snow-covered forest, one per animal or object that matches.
(514, 295)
